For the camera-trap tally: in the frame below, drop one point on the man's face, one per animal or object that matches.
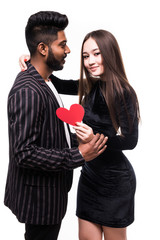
(57, 52)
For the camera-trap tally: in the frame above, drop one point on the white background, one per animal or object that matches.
(136, 26)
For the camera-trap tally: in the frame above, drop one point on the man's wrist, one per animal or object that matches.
(81, 153)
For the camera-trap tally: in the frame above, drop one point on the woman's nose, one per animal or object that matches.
(91, 60)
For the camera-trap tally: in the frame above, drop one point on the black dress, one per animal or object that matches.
(107, 184)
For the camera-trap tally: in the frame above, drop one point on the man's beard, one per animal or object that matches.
(52, 62)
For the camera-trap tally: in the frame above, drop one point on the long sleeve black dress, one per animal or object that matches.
(107, 184)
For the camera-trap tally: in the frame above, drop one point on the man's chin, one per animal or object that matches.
(57, 68)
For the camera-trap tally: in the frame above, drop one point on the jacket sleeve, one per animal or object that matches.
(128, 137)
(69, 87)
(25, 115)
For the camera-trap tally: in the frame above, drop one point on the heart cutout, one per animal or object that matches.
(71, 116)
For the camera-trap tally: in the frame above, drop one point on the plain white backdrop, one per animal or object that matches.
(135, 24)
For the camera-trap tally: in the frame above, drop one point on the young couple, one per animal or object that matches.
(41, 161)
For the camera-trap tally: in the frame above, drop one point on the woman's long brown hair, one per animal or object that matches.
(114, 79)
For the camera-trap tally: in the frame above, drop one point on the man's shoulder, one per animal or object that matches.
(25, 80)
(23, 77)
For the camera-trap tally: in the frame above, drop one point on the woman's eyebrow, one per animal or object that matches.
(95, 49)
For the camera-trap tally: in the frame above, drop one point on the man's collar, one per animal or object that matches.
(31, 69)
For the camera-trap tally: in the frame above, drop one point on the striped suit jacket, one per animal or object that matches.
(40, 162)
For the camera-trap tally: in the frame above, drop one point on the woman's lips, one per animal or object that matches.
(93, 69)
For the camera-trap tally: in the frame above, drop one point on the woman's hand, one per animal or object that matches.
(22, 60)
(84, 132)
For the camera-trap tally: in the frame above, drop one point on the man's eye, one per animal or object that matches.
(63, 45)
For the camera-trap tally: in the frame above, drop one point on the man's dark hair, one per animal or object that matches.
(43, 27)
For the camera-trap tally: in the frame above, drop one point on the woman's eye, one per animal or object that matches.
(85, 56)
(96, 54)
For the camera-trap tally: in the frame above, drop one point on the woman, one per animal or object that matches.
(105, 199)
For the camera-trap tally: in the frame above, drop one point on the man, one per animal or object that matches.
(41, 159)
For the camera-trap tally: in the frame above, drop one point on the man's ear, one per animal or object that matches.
(42, 48)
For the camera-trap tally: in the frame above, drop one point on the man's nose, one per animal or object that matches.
(67, 49)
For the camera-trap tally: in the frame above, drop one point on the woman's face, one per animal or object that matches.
(92, 58)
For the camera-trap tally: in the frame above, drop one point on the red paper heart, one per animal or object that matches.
(75, 114)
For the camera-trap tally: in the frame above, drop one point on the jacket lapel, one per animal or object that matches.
(42, 82)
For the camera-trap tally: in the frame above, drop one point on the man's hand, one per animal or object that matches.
(93, 148)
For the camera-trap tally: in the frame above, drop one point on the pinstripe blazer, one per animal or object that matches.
(40, 162)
